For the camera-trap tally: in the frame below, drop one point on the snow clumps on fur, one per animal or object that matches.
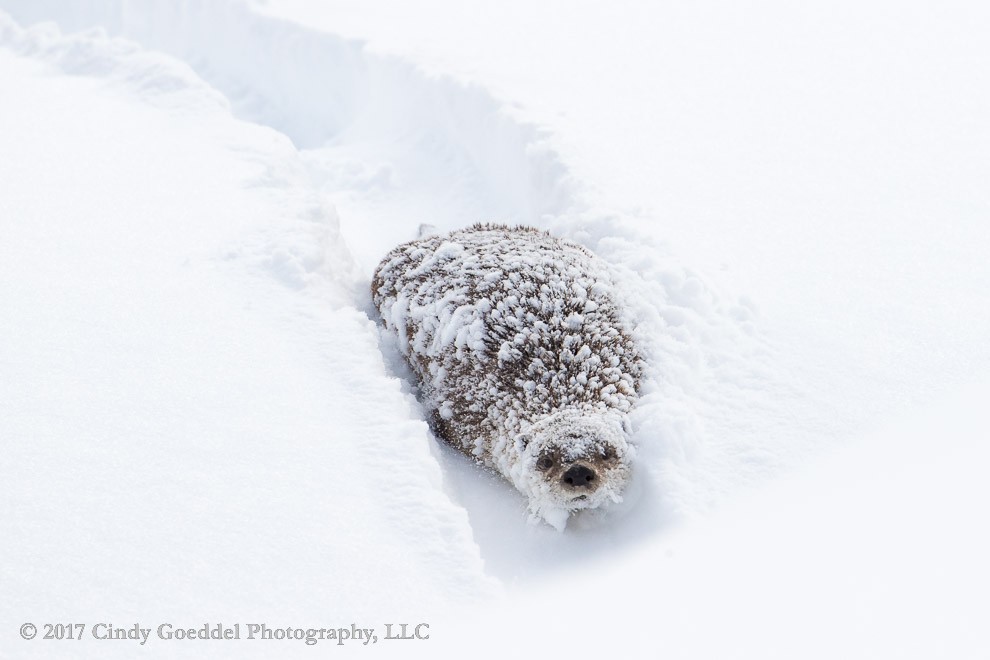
(516, 339)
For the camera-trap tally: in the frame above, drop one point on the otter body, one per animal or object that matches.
(516, 339)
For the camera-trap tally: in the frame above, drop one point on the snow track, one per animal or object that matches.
(200, 418)
(187, 387)
(317, 88)
(391, 147)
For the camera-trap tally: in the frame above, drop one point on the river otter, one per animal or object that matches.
(522, 358)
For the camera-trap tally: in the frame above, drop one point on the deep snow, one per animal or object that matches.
(186, 398)
(877, 551)
(792, 199)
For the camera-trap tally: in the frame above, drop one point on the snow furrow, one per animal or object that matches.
(393, 146)
(200, 418)
(189, 397)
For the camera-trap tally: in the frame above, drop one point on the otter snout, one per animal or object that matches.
(580, 477)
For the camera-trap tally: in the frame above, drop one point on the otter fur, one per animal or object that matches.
(522, 358)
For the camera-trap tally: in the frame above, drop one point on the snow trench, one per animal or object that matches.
(186, 324)
(313, 86)
(381, 136)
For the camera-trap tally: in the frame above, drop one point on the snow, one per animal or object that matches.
(188, 433)
(875, 551)
(201, 420)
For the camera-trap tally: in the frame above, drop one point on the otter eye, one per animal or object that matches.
(608, 453)
(545, 463)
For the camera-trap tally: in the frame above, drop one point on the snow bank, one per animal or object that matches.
(194, 420)
(313, 85)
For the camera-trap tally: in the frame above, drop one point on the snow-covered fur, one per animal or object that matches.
(516, 338)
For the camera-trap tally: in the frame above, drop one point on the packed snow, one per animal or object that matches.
(203, 422)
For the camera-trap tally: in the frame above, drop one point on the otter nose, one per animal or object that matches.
(579, 476)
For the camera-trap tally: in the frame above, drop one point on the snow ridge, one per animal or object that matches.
(158, 80)
(222, 202)
(312, 86)
(307, 249)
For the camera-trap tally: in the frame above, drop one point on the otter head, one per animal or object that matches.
(572, 460)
